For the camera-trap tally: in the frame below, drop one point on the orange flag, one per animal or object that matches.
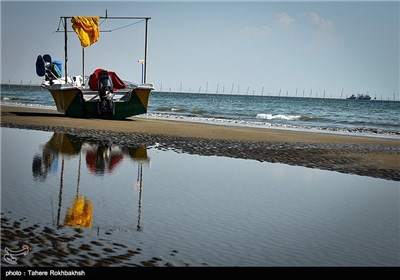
(87, 29)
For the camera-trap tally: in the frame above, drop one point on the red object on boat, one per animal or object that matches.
(117, 82)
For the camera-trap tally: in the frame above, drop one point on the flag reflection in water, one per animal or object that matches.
(80, 213)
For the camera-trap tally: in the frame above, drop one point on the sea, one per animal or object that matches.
(355, 117)
(75, 201)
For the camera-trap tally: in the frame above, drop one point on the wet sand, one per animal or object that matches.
(366, 156)
(61, 246)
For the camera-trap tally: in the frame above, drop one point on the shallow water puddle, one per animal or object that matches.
(80, 202)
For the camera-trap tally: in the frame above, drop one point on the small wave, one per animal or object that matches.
(277, 117)
(28, 105)
(198, 111)
(178, 110)
(169, 109)
(163, 109)
(9, 98)
(308, 118)
(15, 99)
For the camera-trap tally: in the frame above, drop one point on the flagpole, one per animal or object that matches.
(83, 65)
(145, 51)
(65, 49)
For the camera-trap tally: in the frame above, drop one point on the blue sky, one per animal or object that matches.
(247, 46)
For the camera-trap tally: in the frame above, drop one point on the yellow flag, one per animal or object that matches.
(87, 29)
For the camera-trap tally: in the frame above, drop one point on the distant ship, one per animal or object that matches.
(360, 97)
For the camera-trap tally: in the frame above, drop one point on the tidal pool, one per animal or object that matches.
(83, 202)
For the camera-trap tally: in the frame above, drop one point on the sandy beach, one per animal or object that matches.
(367, 156)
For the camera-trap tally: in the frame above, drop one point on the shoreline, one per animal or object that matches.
(365, 156)
(49, 117)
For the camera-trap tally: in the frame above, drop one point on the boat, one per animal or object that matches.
(360, 97)
(103, 94)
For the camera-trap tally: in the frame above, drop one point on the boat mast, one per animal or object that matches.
(65, 49)
(83, 66)
(145, 51)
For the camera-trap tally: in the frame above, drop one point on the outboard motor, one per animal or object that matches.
(106, 93)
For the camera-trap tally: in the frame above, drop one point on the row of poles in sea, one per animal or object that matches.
(21, 84)
(280, 93)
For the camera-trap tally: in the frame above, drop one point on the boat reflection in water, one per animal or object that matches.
(101, 158)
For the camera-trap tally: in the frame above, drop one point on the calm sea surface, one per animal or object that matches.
(199, 210)
(369, 117)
